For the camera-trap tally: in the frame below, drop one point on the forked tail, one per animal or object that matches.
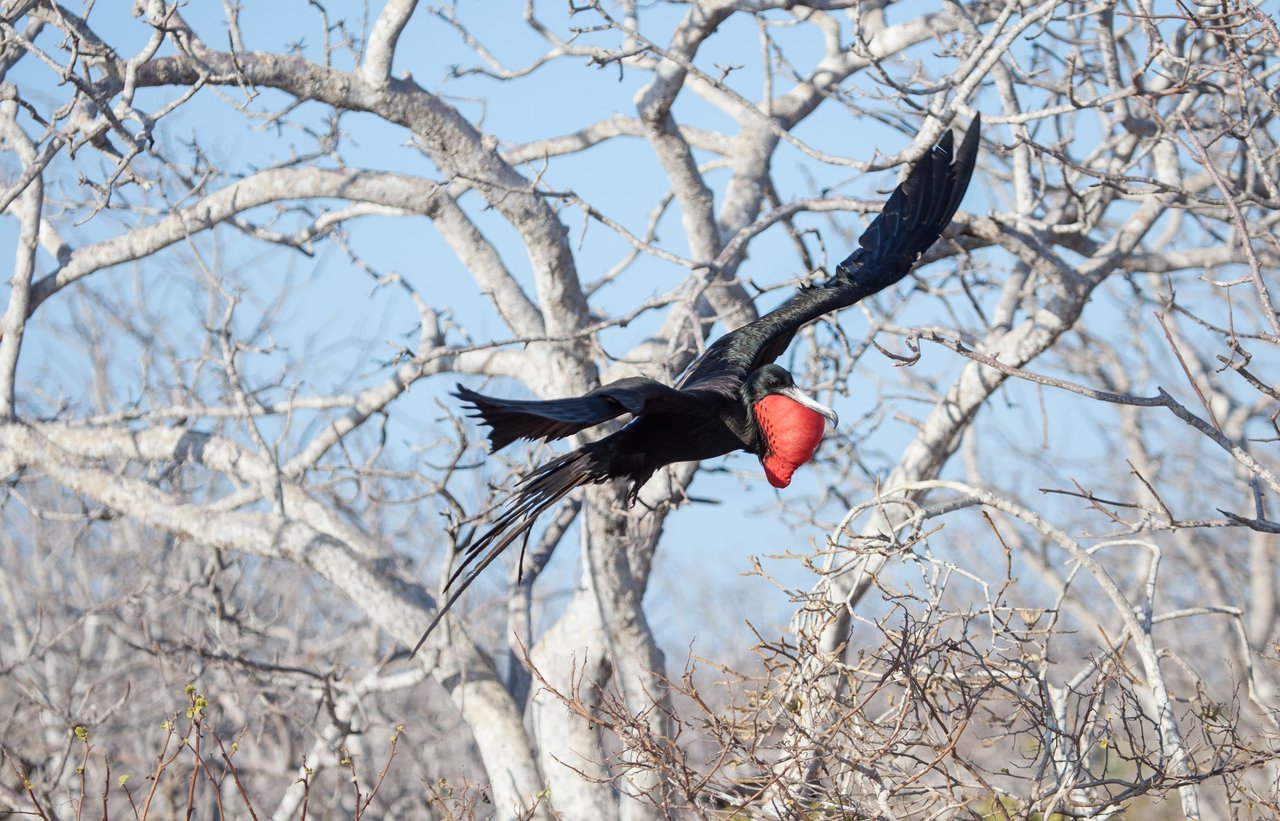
(536, 493)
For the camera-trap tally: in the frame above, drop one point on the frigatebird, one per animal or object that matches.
(732, 397)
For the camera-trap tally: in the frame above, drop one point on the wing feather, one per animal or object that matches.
(511, 419)
(912, 219)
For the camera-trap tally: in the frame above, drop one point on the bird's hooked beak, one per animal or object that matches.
(812, 404)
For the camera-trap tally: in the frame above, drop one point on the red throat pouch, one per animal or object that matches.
(792, 433)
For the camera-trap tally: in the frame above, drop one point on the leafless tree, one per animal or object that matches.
(253, 247)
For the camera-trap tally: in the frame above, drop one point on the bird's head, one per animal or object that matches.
(790, 423)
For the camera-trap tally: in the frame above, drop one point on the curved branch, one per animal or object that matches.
(410, 194)
(381, 49)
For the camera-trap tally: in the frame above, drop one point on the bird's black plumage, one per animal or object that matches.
(913, 218)
(712, 410)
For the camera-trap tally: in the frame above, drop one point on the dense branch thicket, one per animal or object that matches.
(1033, 572)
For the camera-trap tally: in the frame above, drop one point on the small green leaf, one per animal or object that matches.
(81, 732)
(120, 781)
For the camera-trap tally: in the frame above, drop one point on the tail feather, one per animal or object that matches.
(536, 493)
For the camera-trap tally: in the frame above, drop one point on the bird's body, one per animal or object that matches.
(732, 397)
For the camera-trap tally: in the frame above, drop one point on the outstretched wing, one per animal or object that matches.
(912, 219)
(511, 419)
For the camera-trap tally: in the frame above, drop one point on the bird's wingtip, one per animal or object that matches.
(968, 151)
(968, 146)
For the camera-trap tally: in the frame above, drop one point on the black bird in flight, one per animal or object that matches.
(733, 397)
